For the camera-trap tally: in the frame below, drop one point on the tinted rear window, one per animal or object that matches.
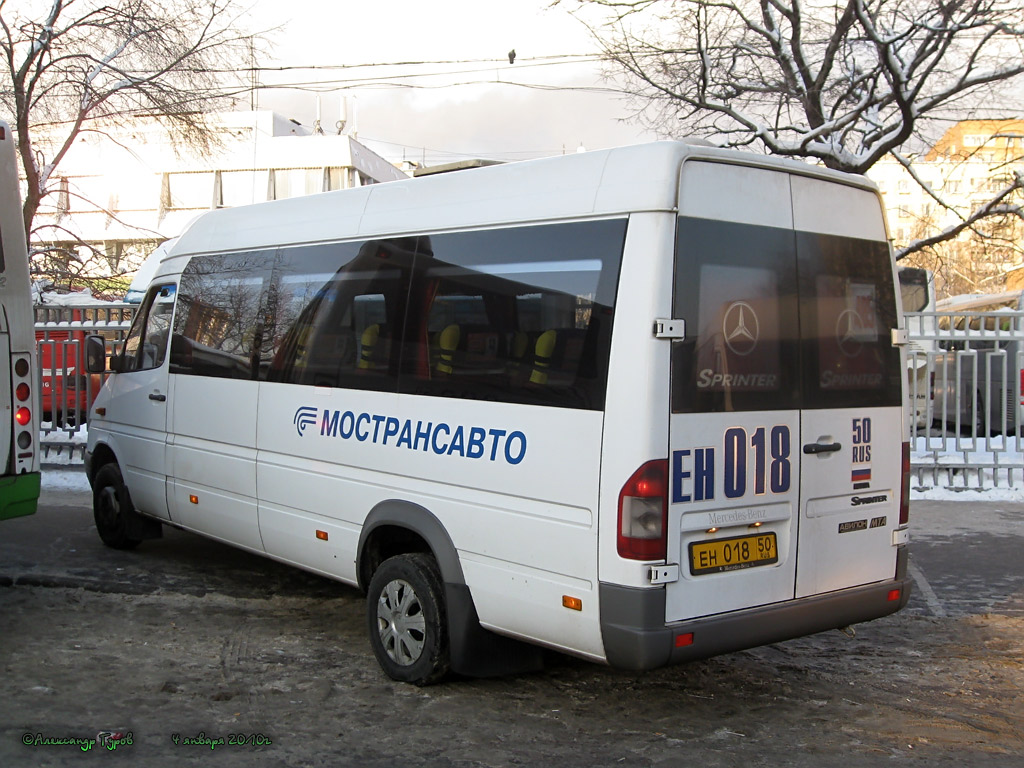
(847, 313)
(777, 319)
(736, 287)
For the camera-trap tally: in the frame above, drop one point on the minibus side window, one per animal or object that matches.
(218, 328)
(521, 314)
(337, 313)
(146, 344)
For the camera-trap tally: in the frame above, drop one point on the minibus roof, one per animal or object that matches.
(600, 183)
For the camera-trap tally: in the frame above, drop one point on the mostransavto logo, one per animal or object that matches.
(304, 417)
(438, 437)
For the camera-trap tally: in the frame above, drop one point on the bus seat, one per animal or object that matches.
(542, 352)
(374, 348)
(448, 342)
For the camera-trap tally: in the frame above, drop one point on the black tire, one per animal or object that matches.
(111, 506)
(407, 619)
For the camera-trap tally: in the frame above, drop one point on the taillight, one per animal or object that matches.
(23, 416)
(23, 413)
(643, 513)
(905, 486)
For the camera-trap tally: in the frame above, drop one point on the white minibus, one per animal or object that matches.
(641, 405)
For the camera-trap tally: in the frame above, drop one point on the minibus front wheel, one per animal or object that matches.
(407, 619)
(112, 508)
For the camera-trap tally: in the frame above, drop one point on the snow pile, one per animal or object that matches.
(962, 469)
(65, 480)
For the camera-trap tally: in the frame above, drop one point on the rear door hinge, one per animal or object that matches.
(900, 337)
(669, 329)
(664, 574)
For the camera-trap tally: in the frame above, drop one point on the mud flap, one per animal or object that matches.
(141, 527)
(477, 652)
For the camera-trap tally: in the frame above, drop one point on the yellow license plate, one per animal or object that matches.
(733, 554)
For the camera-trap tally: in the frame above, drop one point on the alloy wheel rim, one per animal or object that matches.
(400, 622)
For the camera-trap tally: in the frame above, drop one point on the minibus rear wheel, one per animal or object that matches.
(407, 619)
(111, 506)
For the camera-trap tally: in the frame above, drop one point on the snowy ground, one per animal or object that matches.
(64, 480)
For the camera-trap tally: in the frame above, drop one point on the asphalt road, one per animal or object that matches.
(186, 640)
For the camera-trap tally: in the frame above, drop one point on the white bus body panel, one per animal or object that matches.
(212, 454)
(636, 429)
(846, 536)
(136, 427)
(525, 532)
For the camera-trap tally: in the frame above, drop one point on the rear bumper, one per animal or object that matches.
(636, 636)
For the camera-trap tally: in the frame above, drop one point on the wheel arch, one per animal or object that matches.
(102, 454)
(396, 527)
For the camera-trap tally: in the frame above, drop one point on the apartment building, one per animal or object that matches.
(969, 165)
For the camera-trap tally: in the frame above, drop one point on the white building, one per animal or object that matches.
(125, 188)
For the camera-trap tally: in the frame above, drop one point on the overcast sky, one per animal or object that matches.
(552, 99)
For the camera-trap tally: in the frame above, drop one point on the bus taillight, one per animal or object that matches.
(643, 513)
(22, 392)
(23, 416)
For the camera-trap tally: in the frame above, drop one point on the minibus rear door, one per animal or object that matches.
(852, 390)
(735, 458)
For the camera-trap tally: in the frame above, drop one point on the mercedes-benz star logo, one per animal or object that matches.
(740, 328)
(850, 333)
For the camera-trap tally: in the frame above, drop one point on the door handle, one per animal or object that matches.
(160, 398)
(822, 447)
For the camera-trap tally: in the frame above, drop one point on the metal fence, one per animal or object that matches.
(66, 389)
(964, 375)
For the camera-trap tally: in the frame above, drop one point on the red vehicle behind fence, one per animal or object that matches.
(67, 390)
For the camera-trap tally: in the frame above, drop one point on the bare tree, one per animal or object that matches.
(79, 65)
(845, 83)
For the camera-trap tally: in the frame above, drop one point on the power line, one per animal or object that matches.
(531, 61)
(328, 86)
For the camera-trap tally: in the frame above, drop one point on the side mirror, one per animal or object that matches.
(95, 354)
